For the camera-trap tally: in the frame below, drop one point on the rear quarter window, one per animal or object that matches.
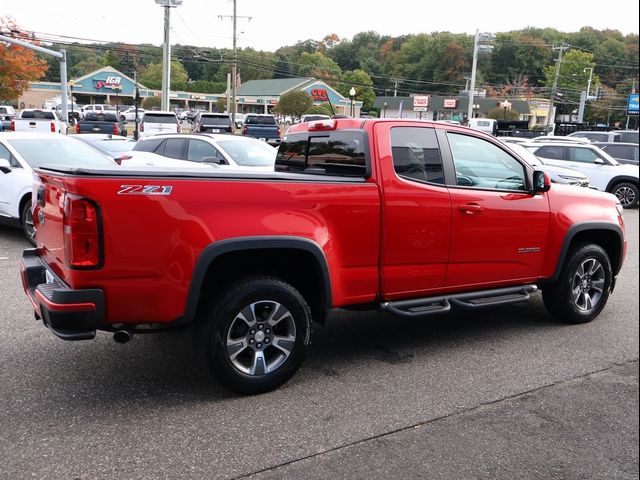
(337, 153)
(150, 145)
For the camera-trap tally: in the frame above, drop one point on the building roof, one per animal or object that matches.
(275, 87)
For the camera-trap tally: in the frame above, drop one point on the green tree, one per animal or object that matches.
(361, 81)
(294, 103)
(500, 113)
(152, 76)
(573, 76)
(323, 109)
(150, 103)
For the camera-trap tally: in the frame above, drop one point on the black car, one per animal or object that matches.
(212, 123)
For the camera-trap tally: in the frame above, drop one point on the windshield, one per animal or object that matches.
(249, 153)
(115, 146)
(255, 120)
(58, 150)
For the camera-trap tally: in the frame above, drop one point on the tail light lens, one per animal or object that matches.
(13, 126)
(82, 233)
(53, 127)
(245, 129)
(77, 128)
(141, 127)
(115, 129)
(278, 131)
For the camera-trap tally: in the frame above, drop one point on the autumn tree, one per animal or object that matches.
(18, 65)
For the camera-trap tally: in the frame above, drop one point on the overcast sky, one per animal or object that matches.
(278, 23)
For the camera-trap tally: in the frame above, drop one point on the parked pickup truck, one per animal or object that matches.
(410, 217)
(98, 122)
(263, 127)
(38, 120)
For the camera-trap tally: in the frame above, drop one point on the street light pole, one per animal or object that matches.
(589, 81)
(352, 93)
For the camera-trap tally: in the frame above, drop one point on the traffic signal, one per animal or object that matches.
(600, 93)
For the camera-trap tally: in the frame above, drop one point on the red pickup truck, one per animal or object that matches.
(407, 216)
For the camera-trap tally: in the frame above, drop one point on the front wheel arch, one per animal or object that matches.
(609, 236)
(26, 218)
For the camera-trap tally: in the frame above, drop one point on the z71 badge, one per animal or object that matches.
(145, 190)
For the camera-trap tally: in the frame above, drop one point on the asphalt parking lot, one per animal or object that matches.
(507, 393)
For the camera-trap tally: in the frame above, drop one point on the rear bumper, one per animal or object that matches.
(69, 314)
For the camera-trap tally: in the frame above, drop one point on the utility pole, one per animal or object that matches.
(480, 42)
(234, 64)
(554, 88)
(62, 56)
(166, 51)
(395, 88)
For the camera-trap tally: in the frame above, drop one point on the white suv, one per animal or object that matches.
(604, 172)
(230, 152)
(154, 122)
(20, 153)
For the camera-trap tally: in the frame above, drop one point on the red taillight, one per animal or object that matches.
(245, 129)
(13, 126)
(115, 129)
(141, 127)
(53, 127)
(278, 131)
(82, 245)
(77, 128)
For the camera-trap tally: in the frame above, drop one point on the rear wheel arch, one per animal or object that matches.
(298, 261)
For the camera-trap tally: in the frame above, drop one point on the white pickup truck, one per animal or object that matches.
(39, 120)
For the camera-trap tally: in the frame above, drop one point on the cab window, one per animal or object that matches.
(481, 164)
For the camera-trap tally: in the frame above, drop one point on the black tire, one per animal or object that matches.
(627, 193)
(583, 288)
(253, 335)
(26, 220)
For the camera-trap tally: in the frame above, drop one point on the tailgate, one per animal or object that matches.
(48, 209)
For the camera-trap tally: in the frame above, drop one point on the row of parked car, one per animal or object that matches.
(567, 160)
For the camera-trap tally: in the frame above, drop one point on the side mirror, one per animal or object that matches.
(598, 161)
(5, 166)
(215, 160)
(541, 182)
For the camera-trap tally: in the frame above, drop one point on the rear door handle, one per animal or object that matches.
(471, 208)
